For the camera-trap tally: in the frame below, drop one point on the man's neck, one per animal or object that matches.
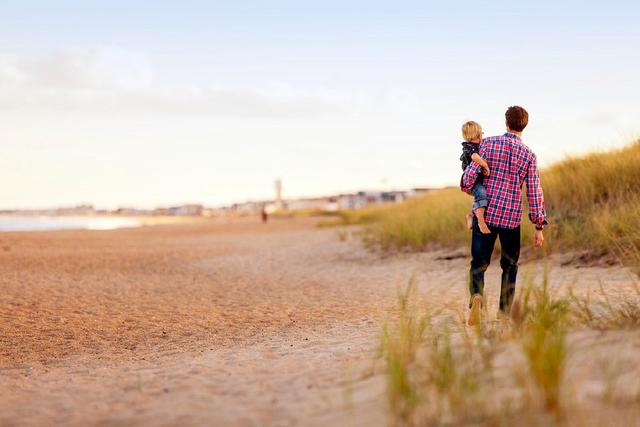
(515, 132)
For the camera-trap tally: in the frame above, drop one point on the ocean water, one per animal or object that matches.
(43, 223)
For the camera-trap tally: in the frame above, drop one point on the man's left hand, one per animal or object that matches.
(538, 239)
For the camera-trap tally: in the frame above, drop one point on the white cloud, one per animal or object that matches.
(75, 69)
(111, 79)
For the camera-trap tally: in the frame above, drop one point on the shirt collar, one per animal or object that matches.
(513, 136)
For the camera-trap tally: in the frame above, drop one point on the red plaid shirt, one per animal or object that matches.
(511, 163)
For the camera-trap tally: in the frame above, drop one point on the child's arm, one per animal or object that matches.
(479, 160)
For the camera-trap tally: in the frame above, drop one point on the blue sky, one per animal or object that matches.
(156, 103)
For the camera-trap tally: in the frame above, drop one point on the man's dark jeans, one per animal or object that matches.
(481, 250)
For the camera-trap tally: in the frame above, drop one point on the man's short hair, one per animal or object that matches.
(517, 118)
(471, 130)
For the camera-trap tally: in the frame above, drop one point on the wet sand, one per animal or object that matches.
(213, 323)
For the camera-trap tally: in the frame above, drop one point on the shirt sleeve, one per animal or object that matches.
(469, 177)
(537, 213)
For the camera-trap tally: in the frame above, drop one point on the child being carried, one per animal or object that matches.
(472, 134)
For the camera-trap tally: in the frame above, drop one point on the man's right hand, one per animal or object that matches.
(538, 239)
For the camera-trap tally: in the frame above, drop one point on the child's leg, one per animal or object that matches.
(480, 204)
(470, 220)
(482, 225)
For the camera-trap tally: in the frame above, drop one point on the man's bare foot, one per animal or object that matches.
(469, 221)
(484, 228)
(476, 309)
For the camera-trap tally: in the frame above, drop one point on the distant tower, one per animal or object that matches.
(278, 193)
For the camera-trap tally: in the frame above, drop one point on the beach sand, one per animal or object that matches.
(218, 322)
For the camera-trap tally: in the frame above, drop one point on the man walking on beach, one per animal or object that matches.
(511, 164)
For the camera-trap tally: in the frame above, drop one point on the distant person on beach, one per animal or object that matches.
(264, 216)
(511, 163)
(472, 134)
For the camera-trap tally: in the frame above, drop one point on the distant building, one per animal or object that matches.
(319, 203)
(186, 210)
(325, 203)
(418, 191)
(80, 210)
(394, 196)
(246, 208)
(126, 211)
(350, 201)
(161, 212)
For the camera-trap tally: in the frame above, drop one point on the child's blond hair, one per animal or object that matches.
(471, 130)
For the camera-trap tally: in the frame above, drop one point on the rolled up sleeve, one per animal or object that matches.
(469, 177)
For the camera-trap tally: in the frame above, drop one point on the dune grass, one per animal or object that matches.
(513, 372)
(544, 343)
(400, 342)
(593, 204)
(303, 213)
(595, 199)
(600, 313)
(438, 216)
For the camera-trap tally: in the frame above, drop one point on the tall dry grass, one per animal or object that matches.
(400, 342)
(510, 372)
(595, 199)
(542, 325)
(437, 216)
(593, 204)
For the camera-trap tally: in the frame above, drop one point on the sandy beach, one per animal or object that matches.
(215, 322)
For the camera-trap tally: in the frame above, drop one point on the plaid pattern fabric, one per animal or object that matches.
(511, 163)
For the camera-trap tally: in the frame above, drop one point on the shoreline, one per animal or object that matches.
(21, 223)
